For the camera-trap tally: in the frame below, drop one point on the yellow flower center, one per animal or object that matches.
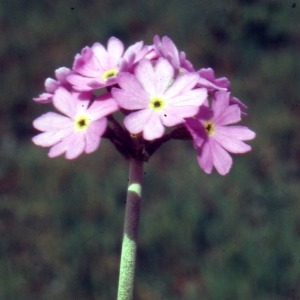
(109, 74)
(81, 123)
(157, 103)
(209, 127)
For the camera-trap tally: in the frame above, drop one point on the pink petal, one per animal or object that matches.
(164, 73)
(115, 49)
(133, 54)
(230, 144)
(51, 85)
(73, 145)
(136, 121)
(81, 83)
(209, 74)
(194, 97)
(102, 57)
(151, 54)
(76, 147)
(197, 131)
(172, 116)
(205, 158)
(87, 64)
(129, 101)
(103, 106)
(223, 82)
(221, 159)
(97, 128)
(204, 112)
(184, 63)
(209, 85)
(145, 74)
(136, 48)
(50, 138)
(234, 100)
(132, 94)
(220, 103)
(62, 73)
(67, 103)
(44, 98)
(183, 83)
(52, 122)
(139, 55)
(153, 128)
(170, 51)
(82, 96)
(231, 114)
(168, 46)
(237, 132)
(157, 42)
(93, 135)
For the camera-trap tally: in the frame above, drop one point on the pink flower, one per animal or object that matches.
(97, 67)
(158, 99)
(213, 137)
(51, 85)
(82, 127)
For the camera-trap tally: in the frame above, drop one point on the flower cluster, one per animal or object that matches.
(154, 87)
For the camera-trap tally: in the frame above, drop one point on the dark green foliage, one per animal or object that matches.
(201, 237)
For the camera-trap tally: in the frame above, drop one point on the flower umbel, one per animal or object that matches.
(154, 87)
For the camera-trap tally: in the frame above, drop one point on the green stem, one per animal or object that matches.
(130, 236)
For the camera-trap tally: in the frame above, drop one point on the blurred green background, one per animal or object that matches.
(202, 236)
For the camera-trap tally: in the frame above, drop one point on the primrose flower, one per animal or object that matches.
(156, 98)
(210, 133)
(97, 67)
(51, 85)
(82, 127)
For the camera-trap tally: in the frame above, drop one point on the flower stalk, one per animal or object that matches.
(130, 235)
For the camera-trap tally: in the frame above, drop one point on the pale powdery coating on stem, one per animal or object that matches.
(212, 135)
(158, 99)
(77, 132)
